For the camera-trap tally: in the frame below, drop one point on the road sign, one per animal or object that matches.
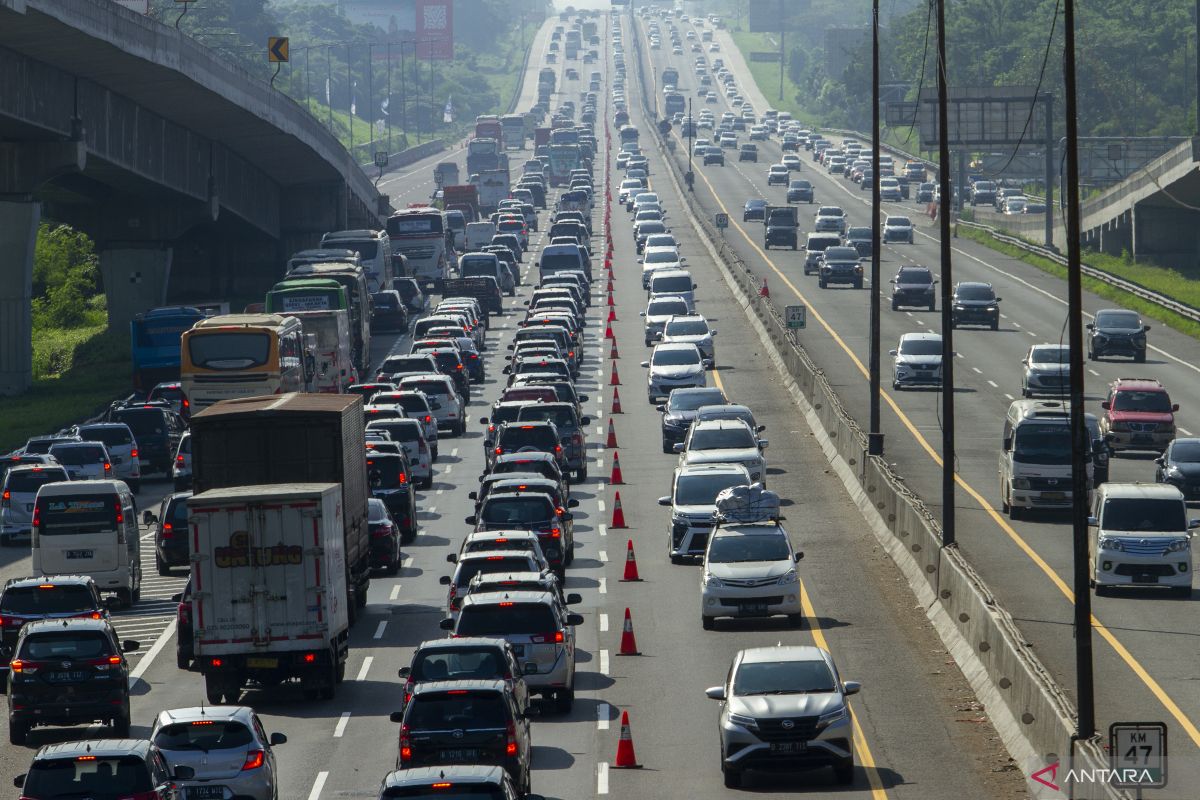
(381, 158)
(277, 49)
(721, 220)
(1137, 752)
(796, 316)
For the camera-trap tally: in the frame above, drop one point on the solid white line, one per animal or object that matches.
(603, 623)
(993, 384)
(603, 662)
(319, 784)
(604, 586)
(366, 666)
(152, 653)
(340, 728)
(602, 716)
(395, 592)
(379, 630)
(601, 778)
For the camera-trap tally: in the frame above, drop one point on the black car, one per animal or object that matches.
(1117, 332)
(172, 392)
(469, 658)
(840, 264)
(183, 626)
(171, 533)
(410, 292)
(390, 477)
(388, 312)
(515, 437)
(680, 409)
(913, 286)
(102, 768)
(45, 597)
(755, 208)
(157, 430)
(385, 537)
(68, 672)
(860, 239)
(799, 191)
(1179, 466)
(465, 722)
(714, 155)
(975, 304)
(449, 362)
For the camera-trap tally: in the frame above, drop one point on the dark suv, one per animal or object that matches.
(157, 430)
(68, 672)
(465, 722)
(391, 480)
(101, 769)
(571, 428)
(171, 533)
(840, 264)
(57, 597)
(466, 658)
(426, 783)
(975, 304)
(519, 437)
(913, 286)
(1117, 332)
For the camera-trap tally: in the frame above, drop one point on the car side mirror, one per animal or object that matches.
(473, 495)
(661, 407)
(452, 558)
(645, 363)
(641, 313)
(665, 500)
(483, 421)
(998, 299)
(507, 370)
(583, 398)
(183, 772)
(278, 739)
(1145, 329)
(471, 520)
(396, 717)
(760, 429)
(715, 692)
(574, 619)
(891, 352)
(19, 781)
(567, 516)
(1106, 405)
(175, 598)
(404, 672)
(585, 420)
(1093, 522)
(762, 443)
(574, 598)
(851, 687)
(447, 624)
(148, 517)
(444, 580)
(798, 556)
(677, 447)
(1090, 327)
(1193, 523)
(572, 503)
(130, 645)
(1174, 406)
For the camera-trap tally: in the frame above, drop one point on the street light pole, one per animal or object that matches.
(875, 434)
(945, 209)
(370, 97)
(329, 83)
(350, 91)
(389, 96)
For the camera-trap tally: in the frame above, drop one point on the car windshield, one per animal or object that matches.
(722, 438)
(664, 357)
(858, 233)
(46, 599)
(204, 735)
(742, 548)
(1124, 320)
(921, 347)
(974, 293)
(922, 276)
(687, 327)
(500, 620)
(77, 513)
(1130, 400)
(563, 417)
(111, 435)
(756, 203)
(386, 471)
(1186, 451)
(95, 778)
(898, 222)
(462, 709)
(830, 211)
(1038, 443)
(666, 308)
(144, 422)
(61, 646)
(1143, 514)
(29, 481)
(77, 455)
(376, 511)
(1050, 355)
(661, 257)
(702, 490)
(783, 677)
(460, 664)
(517, 512)
(671, 284)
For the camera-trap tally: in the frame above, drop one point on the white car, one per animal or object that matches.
(692, 329)
(656, 258)
(450, 410)
(897, 229)
(660, 309)
(749, 570)
(724, 441)
(792, 162)
(830, 218)
(918, 360)
(672, 366)
(778, 173)
(1047, 370)
(693, 501)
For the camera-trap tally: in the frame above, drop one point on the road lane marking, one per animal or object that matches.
(395, 592)
(978, 371)
(993, 384)
(364, 669)
(604, 586)
(1097, 374)
(603, 556)
(318, 785)
(604, 623)
(603, 529)
(454, 452)
(379, 630)
(604, 662)
(601, 778)
(1150, 683)
(602, 716)
(1007, 395)
(600, 505)
(340, 728)
(167, 634)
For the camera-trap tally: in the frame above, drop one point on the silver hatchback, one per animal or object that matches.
(227, 748)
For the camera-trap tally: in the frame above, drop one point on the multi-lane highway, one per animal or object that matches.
(1144, 663)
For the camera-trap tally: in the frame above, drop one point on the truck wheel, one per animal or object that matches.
(340, 673)
(163, 569)
(125, 596)
(212, 689)
(329, 688)
(181, 660)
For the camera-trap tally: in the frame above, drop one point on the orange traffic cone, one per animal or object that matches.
(616, 404)
(631, 570)
(628, 643)
(608, 334)
(612, 435)
(764, 291)
(615, 380)
(618, 520)
(613, 354)
(611, 303)
(610, 285)
(608, 264)
(625, 757)
(612, 315)
(616, 479)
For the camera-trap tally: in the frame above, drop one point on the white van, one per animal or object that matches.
(479, 234)
(674, 282)
(1141, 537)
(374, 250)
(89, 528)
(1035, 457)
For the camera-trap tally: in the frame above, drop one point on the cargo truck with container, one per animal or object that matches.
(493, 187)
(489, 126)
(563, 159)
(268, 597)
(484, 154)
(154, 343)
(513, 126)
(419, 234)
(541, 136)
(462, 197)
(293, 438)
(446, 174)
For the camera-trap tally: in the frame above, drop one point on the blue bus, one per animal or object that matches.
(154, 343)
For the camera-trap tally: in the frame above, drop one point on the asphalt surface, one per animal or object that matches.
(919, 733)
(1143, 641)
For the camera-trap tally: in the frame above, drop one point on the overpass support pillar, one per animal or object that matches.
(135, 279)
(18, 236)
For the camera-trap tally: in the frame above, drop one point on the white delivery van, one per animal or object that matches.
(331, 351)
(269, 587)
(1141, 536)
(89, 528)
(479, 234)
(1035, 457)
(374, 250)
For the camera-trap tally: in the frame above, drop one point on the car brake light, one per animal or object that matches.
(133, 453)
(107, 467)
(499, 451)
(511, 747)
(428, 418)
(549, 638)
(203, 722)
(6, 499)
(167, 531)
(310, 658)
(405, 744)
(19, 667)
(217, 662)
(179, 460)
(558, 448)
(402, 478)
(560, 511)
(441, 785)
(254, 760)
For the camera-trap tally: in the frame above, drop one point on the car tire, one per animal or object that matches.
(433, 452)
(212, 690)
(858, 284)
(182, 661)
(932, 305)
(427, 483)
(564, 700)
(795, 620)
(1015, 512)
(843, 771)
(821, 283)
(125, 596)
(708, 623)
(163, 570)
(996, 325)
(581, 474)
(18, 732)
(1139, 358)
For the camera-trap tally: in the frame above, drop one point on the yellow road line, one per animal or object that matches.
(1153, 685)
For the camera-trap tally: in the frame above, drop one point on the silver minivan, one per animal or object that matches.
(674, 282)
(84, 460)
(89, 527)
(18, 494)
(118, 438)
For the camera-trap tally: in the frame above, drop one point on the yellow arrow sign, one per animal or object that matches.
(277, 48)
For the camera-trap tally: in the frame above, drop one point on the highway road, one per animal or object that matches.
(1144, 641)
(919, 731)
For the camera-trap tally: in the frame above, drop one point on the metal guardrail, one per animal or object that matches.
(1184, 310)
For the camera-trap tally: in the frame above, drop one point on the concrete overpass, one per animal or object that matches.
(194, 178)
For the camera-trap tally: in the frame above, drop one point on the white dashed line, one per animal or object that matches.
(380, 629)
(319, 783)
(1184, 431)
(603, 662)
(993, 384)
(603, 529)
(978, 371)
(1009, 396)
(454, 452)
(1093, 372)
(366, 666)
(603, 556)
(601, 778)
(603, 623)
(602, 716)
(340, 729)
(600, 505)
(603, 586)
(395, 592)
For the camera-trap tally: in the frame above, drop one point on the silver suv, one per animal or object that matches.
(226, 748)
(693, 502)
(18, 493)
(784, 708)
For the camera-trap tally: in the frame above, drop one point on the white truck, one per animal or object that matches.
(269, 588)
(334, 361)
(493, 187)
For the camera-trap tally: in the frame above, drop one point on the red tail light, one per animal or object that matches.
(133, 453)
(179, 460)
(558, 448)
(405, 744)
(548, 638)
(167, 531)
(254, 760)
(6, 499)
(510, 748)
(499, 451)
(428, 418)
(402, 478)
(17, 666)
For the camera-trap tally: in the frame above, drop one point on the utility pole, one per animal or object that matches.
(307, 90)
(1080, 447)
(350, 91)
(389, 97)
(370, 97)
(945, 210)
(875, 434)
(329, 83)
(690, 177)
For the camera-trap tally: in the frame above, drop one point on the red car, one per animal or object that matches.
(1138, 415)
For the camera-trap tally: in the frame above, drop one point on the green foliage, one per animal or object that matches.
(66, 278)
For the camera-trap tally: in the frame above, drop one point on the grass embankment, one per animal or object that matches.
(1159, 279)
(76, 373)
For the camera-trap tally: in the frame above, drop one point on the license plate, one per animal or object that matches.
(788, 748)
(754, 608)
(80, 553)
(1142, 438)
(1054, 496)
(262, 663)
(1145, 578)
(462, 754)
(205, 793)
(73, 676)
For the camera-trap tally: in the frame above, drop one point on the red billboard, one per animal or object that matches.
(435, 29)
